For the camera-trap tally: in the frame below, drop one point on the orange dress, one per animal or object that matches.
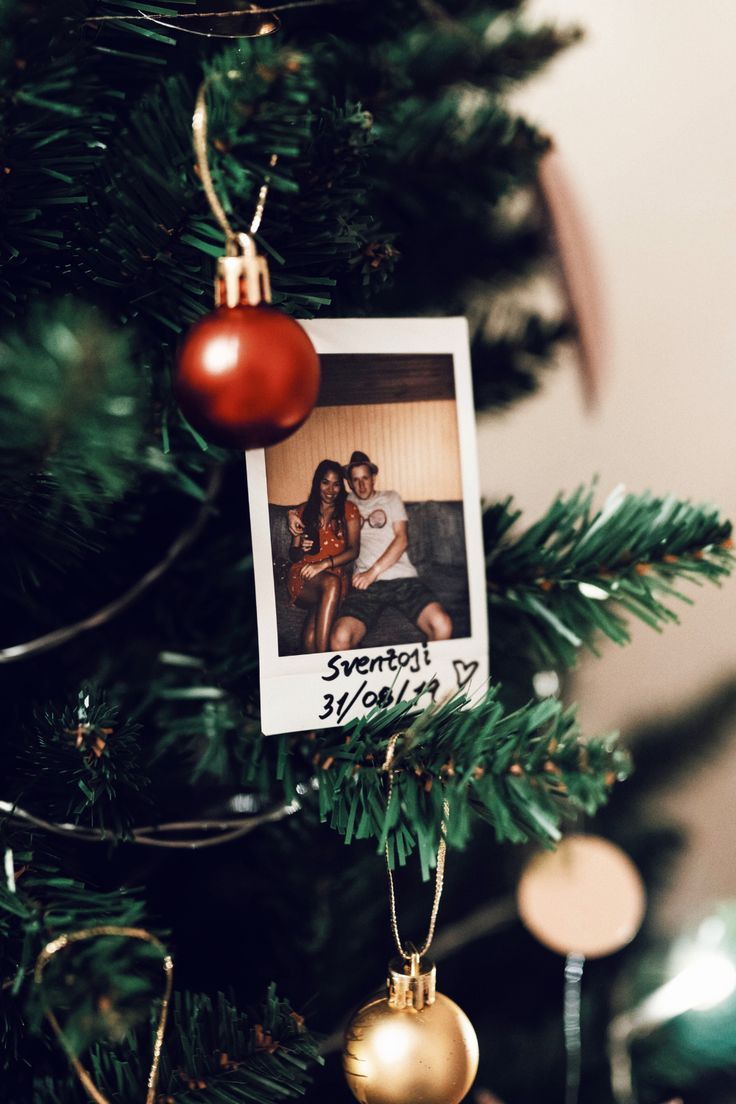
(331, 543)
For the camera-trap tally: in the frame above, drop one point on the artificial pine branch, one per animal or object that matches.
(107, 986)
(510, 364)
(546, 600)
(82, 764)
(71, 406)
(363, 201)
(523, 772)
(213, 1053)
(38, 904)
(492, 53)
(72, 439)
(63, 98)
(577, 571)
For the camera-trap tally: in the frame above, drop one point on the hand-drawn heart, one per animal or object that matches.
(464, 671)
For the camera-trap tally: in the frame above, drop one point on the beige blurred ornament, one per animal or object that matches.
(586, 898)
(578, 271)
(413, 1046)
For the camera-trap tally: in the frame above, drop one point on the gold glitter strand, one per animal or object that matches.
(61, 943)
(439, 879)
(199, 135)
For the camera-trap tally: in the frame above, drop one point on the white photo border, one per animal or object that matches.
(294, 688)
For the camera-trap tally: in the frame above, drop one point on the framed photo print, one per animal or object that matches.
(367, 544)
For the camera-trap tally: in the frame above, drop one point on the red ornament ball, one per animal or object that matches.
(248, 376)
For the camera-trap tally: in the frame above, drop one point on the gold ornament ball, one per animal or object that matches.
(409, 1055)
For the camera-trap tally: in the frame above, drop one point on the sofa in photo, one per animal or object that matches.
(437, 550)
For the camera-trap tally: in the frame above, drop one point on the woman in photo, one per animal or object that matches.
(317, 580)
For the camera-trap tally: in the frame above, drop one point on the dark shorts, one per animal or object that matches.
(408, 595)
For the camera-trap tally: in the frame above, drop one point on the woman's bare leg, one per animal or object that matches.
(323, 594)
(326, 610)
(308, 637)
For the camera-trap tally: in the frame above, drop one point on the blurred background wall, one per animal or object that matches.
(642, 116)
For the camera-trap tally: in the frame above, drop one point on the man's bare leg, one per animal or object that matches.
(435, 622)
(347, 633)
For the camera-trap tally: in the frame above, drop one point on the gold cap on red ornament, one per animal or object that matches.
(242, 277)
(247, 376)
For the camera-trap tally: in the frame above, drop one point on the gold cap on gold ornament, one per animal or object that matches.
(411, 984)
(242, 277)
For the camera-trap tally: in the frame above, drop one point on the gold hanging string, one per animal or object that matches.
(199, 134)
(414, 955)
(66, 940)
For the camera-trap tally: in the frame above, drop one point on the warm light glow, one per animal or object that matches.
(589, 590)
(707, 979)
(546, 684)
(220, 355)
(392, 1042)
(702, 978)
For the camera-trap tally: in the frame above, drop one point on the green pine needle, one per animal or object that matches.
(578, 571)
(82, 764)
(213, 1053)
(71, 408)
(523, 772)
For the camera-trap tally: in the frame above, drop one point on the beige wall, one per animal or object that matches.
(414, 444)
(640, 114)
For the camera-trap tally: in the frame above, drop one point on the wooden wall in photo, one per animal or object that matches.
(414, 444)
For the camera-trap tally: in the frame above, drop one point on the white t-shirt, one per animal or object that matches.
(377, 515)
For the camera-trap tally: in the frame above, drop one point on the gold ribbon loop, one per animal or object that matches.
(199, 135)
(61, 943)
(411, 953)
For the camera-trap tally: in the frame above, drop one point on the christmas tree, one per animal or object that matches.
(138, 789)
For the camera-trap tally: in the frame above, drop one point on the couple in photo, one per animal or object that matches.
(367, 528)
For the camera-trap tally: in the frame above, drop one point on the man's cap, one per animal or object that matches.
(355, 460)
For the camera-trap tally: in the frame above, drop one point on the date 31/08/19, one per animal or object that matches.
(339, 708)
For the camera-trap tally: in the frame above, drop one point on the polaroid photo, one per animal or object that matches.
(366, 522)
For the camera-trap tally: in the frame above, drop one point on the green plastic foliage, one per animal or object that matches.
(82, 764)
(396, 148)
(101, 988)
(578, 571)
(213, 1053)
(449, 153)
(266, 1056)
(522, 772)
(61, 102)
(156, 239)
(197, 721)
(43, 904)
(493, 50)
(71, 410)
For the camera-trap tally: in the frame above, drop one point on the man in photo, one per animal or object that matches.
(383, 574)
